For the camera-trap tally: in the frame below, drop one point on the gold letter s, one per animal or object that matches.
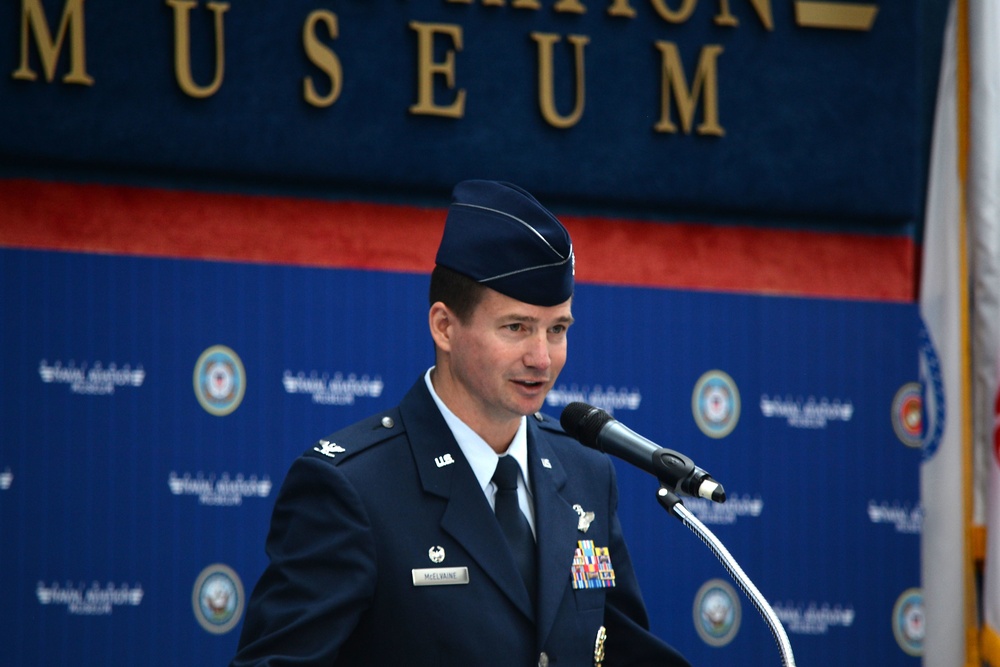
(323, 57)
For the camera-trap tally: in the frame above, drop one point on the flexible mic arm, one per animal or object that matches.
(670, 502)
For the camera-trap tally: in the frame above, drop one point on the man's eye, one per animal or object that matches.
(516, 326)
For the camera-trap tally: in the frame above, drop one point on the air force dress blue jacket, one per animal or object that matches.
(384, 551)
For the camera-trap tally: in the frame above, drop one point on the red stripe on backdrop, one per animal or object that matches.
(282, 230)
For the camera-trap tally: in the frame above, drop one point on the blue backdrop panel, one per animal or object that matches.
(127, 508)
(800, 483)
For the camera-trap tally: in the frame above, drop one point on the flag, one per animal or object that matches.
(990, 635)
(983, 207)
(945, 494)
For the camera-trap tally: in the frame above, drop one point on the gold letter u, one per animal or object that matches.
(182, 46)
(546, 79)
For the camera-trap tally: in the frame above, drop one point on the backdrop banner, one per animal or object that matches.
(152, 407)
(796, 112)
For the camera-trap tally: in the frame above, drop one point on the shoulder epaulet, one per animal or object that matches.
(357, 437)
(548, 423)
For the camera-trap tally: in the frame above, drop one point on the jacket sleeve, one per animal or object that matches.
(321, 575)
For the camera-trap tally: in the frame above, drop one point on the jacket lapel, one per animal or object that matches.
(468, 518)
(555, 524)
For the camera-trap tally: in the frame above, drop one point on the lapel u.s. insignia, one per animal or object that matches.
(585, 519)
(592, 566)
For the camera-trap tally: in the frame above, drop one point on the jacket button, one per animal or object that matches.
(543, 659)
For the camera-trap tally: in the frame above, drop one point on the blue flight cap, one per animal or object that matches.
(500, 236)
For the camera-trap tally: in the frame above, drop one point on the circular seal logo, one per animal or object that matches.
(908, 621)
(217, 599)
(715, 403)
(908, 414)
(219, 380)
(717, 612)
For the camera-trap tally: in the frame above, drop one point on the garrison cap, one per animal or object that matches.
(500, 236)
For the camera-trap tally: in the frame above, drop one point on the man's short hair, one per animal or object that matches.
(459, 293)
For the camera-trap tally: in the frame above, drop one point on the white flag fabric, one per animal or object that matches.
(990, 635)
(983, 209)
(942, 549)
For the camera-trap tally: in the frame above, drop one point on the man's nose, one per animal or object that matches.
(537, 355)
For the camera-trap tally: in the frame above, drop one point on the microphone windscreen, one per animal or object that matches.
(584, 422)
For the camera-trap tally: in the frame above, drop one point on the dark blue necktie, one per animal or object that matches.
(512, 521)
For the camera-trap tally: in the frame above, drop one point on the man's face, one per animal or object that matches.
(507, 356)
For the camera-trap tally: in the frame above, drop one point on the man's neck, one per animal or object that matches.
(496, 432)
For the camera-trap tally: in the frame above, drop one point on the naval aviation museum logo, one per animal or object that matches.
(217, 599)
(224, 491)
(809, 413)
(907, 414)
(336, 390)
(905, 519)
(717, 612)
(94, 600)
(813, 619)
(90, 380)
(908, 621)
(727, 513)
(608, 399)
(715, 403)
(219, 380)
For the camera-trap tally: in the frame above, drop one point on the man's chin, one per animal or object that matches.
(528, 408)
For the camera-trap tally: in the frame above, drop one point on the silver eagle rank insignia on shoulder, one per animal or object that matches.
(327, 448)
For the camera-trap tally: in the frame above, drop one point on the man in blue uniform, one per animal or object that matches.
(462, 527)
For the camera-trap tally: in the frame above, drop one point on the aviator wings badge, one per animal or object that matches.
(585, 519)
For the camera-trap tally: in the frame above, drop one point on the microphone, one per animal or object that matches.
(598, 430)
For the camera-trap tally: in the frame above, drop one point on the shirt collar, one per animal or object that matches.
(480, 455)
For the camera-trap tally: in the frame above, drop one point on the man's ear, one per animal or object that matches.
(442, 322)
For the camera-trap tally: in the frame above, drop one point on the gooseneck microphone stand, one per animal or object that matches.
(597, 429)
(670, 502)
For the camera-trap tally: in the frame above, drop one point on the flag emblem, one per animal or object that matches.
(908, 414)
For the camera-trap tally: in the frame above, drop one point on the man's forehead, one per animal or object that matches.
(502, 306)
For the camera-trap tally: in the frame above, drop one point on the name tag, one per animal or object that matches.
(440, 576)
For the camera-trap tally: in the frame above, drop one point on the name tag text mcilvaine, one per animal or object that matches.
(440, 576)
